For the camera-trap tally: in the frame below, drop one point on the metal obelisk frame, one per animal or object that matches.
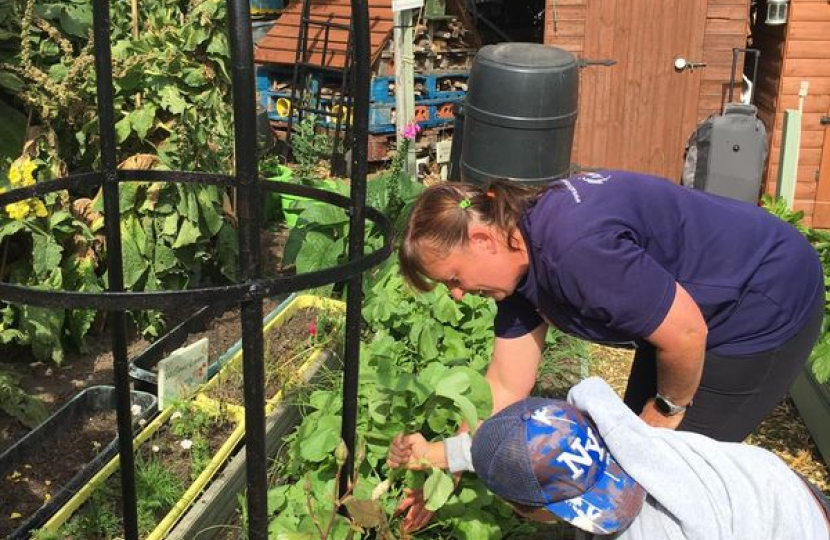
(250, 291)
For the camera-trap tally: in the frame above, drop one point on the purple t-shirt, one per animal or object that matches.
(606, 250)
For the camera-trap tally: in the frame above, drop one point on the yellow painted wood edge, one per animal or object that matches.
(67, 510)
(195, 489)
(204, 478)
(299, 302)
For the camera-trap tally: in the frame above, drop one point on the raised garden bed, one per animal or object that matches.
(299, 330)
(203, 323)
(812, 399)
(288, 327)
(176, 456)
(45, 468)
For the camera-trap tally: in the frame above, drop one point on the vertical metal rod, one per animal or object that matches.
(360, 147)
(106, 123)
(244, 116)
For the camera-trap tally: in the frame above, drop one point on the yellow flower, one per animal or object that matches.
(18, 211)
(16, 515)
(15, 174)
(28, 167)
(40, 209)
(22, 172)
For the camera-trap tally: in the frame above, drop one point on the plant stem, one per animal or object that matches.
(311, 513)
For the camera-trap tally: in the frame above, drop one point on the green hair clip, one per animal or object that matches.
(464, 203)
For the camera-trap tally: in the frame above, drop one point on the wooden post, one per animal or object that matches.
(404, 82)
(788, 161)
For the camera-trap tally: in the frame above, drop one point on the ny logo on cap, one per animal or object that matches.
(584, 453)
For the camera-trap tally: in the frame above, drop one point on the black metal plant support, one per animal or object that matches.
(252, 289)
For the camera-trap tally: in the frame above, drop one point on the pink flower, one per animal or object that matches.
(411, 130)
(312, 328)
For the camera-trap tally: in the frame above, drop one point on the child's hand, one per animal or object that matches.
(413, 452)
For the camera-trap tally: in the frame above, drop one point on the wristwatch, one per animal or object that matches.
(666, 407)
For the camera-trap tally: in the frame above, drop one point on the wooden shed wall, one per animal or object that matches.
(727, 26)
(795, 52)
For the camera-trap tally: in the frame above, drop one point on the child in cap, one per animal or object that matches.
(593, 463)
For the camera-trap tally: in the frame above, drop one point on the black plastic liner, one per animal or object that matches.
(88, 402)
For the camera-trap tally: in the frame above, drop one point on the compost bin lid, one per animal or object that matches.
(526, 55)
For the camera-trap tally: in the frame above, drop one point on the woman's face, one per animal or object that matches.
(485, 266)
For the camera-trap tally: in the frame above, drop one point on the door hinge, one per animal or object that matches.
(824, 121)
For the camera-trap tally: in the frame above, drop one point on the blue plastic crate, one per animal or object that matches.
(263, 80)
(266, 7)
(439, 85)
(428, 113)
(379, 91)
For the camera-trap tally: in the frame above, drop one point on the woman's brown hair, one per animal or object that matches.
(440, 218)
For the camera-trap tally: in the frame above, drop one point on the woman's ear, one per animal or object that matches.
(482, 237)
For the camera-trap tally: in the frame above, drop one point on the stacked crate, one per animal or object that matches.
(435, 95)
(274, 89)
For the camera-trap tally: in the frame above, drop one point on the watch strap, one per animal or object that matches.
(668, 407)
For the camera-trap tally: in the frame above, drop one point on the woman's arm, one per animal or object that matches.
(680, 341)
(512, 371)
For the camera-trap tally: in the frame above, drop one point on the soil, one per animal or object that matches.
(29, 485)
(165, 447)
(284, 353)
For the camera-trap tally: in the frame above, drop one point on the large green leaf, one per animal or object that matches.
(188, 234)
(321, 214)
(227, 252)
(142, 119)
(318, 251)
(171, 99)
(210, 215)
(437, 489)
(134, 263)
(77, 20)
(319, 438)
(46, 254)
(165, 259)
(8, 228)
(127, 196)
(44, 328)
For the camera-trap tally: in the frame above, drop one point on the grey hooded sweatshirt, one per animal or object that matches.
(699, 488)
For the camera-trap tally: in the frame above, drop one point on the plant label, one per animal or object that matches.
(400, 5)
(442, 151)
(180, 373)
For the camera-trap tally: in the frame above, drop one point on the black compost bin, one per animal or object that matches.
(86, 404)
(519, 114)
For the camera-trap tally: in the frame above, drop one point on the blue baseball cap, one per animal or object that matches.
(545, 452)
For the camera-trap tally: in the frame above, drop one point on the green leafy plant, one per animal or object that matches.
(422, 359)
(170, 65)
(47, 244)
(171, 102)
(319, 240)
(15, 402)
(820, 358)
(308, 146)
